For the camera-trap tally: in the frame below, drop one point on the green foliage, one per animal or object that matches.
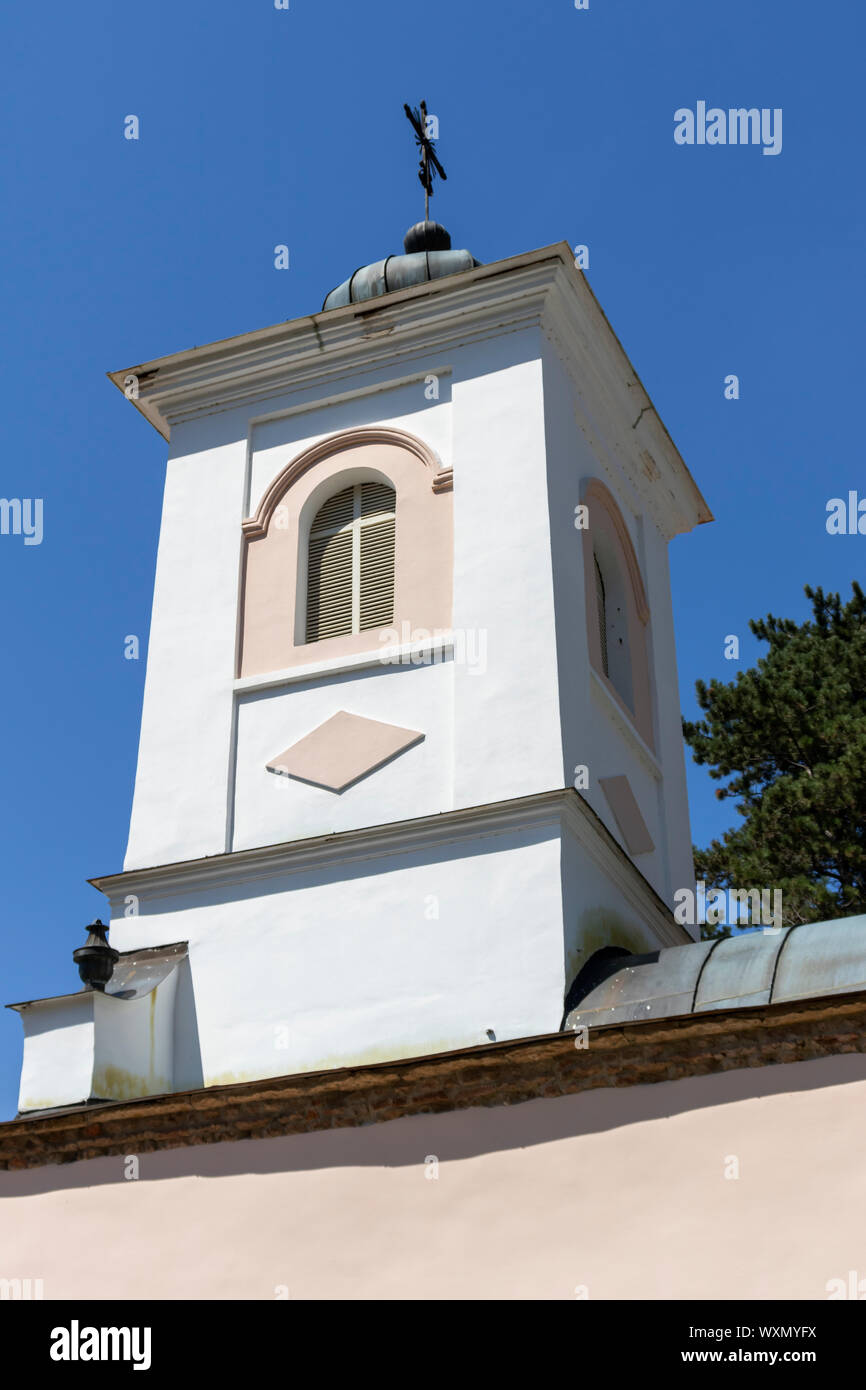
(789, 735)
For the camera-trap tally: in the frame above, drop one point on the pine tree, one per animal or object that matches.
(790, 735)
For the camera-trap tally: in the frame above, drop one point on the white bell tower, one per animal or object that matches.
(410, 748)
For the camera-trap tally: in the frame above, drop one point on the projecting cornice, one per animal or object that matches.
(338, 342)
(614, 410)
(406, 330)
(563, 810)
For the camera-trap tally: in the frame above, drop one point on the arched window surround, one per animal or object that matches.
(276, 543)
(607, 533)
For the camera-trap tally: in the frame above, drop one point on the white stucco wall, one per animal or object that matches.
(57, 1063)
(181, 795)
(274, 442)
(134, 1043)
(598, 910)
(612, 1194)
(494, 719)
(93, 1045)
(507, 733)
(183, 803)
(517, 721)
(596, 733)
(369, 958)
(270, 808)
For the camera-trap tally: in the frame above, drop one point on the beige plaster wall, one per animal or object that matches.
(620, 1192)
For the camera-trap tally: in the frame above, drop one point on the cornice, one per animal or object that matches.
(438, 315)
(562, 808)
(539, 289)
(342, 847)
(621, 422)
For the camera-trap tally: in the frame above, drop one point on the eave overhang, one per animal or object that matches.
(541, 287)
(563, 811)
(282, 347)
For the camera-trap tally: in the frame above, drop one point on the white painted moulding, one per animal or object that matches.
(424, 652)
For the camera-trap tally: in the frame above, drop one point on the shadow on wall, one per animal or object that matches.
(452, 1135)
(188, 1073)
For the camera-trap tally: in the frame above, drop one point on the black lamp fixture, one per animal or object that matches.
(96, 959)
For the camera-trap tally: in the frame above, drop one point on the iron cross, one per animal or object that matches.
(429, 165)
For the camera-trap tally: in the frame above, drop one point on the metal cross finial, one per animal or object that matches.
(429, 165)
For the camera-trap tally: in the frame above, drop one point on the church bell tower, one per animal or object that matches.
(410, 747)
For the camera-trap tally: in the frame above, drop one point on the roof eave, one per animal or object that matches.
(320, 326)
(319, 323)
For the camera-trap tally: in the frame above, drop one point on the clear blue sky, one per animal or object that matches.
(261, 127)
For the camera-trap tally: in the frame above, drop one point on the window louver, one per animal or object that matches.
(350, 576)
(329, 586)
(376, 499)
(602, 615)
(377, 574)
(337, 512)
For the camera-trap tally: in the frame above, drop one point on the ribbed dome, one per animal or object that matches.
(428, 256)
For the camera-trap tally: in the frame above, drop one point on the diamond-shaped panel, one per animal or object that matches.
(344, 749)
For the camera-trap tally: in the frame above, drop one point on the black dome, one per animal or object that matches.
(426, 236)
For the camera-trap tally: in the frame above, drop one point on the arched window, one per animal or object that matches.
(613, 626)
(350, 567)
(617, 612)
(326, 562)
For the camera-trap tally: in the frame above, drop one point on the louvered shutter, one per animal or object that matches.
(337, 512)
(329, 586)
(376, 598)
(350, 577)
(376, 499)
(377, 574)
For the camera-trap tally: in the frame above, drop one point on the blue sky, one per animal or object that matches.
(261, 127)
